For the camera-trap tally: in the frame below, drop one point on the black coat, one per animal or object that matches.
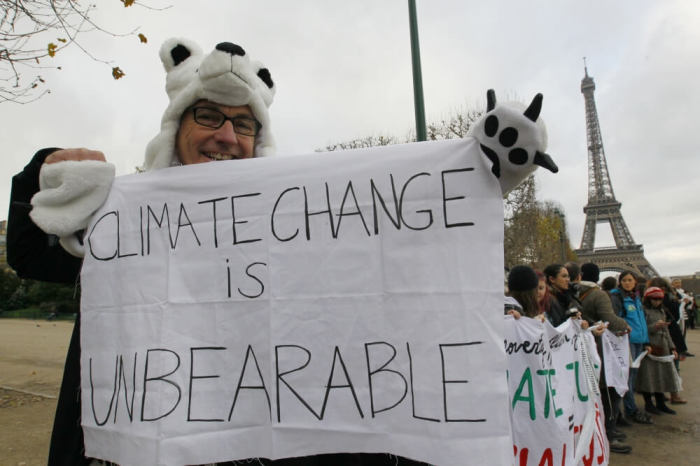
(560, 304)
(35, 255)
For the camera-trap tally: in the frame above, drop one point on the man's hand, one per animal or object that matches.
(599, 329)
(75, 155)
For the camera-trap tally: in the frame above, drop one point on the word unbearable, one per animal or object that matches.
(189, 377)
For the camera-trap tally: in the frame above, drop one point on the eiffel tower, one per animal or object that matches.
(603, 207)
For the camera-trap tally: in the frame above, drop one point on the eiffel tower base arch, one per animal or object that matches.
(619, 260)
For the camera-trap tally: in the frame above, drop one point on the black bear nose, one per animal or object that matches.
(231, 48)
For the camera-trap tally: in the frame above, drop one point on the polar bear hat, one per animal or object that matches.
(225, 76)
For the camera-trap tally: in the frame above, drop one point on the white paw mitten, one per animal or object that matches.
(514, 139)
(70, 192)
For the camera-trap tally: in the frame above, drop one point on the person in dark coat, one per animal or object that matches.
(35, 255)
(657, 376)
(671, 306)
(563, 303)
(597, 307)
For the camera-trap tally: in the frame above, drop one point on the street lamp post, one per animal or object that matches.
(417, 78)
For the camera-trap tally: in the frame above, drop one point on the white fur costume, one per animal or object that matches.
(72, 191)
(514, 139)
(226, 76)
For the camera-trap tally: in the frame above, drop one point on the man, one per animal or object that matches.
(597, 307)
(217, 111)
(686, 302)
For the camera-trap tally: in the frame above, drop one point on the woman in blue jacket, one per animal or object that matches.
(628, 305)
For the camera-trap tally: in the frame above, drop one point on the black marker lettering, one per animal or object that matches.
(122, 377)
(260, 283)
(162, 378)
(328, 211)
(446, 199)
(350, 190)
(192, 377)
(413, 396)
(114, 393)
(119, 244)
(376, 195)
(250, 353)
(272, 217)
(188, 224)
(280, 378)
(329, 386)
(92, 231)
(371, 373)
(213, 215)
(453, 381)
(425, 211)
(165, 214)
(233, 218)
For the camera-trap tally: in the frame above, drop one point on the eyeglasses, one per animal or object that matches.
(214, 119)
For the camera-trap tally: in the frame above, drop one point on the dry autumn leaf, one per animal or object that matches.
(117, 73)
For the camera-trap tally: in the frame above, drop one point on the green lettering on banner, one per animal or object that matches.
(527, 378)
(574, 366)
(549, 397)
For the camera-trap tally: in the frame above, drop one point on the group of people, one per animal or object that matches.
(653, 313)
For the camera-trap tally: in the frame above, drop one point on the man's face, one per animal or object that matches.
(676, 283)
(196, 143)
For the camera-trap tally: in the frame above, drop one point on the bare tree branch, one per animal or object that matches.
(32, 32)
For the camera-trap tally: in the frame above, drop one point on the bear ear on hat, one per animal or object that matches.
(267, 86)
(176, 50)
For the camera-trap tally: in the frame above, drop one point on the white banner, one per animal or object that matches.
(557, 418)
(341, 302)
(616, 352)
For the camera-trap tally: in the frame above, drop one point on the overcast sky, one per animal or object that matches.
(343, 70)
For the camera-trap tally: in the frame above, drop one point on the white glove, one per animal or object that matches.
(71, 191)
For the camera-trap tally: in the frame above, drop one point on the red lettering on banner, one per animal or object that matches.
(524, 453)
(599, 434)
(547, 456)
(563, 456)
(599, 438)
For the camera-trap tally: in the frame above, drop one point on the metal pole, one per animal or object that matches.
(417, 79)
